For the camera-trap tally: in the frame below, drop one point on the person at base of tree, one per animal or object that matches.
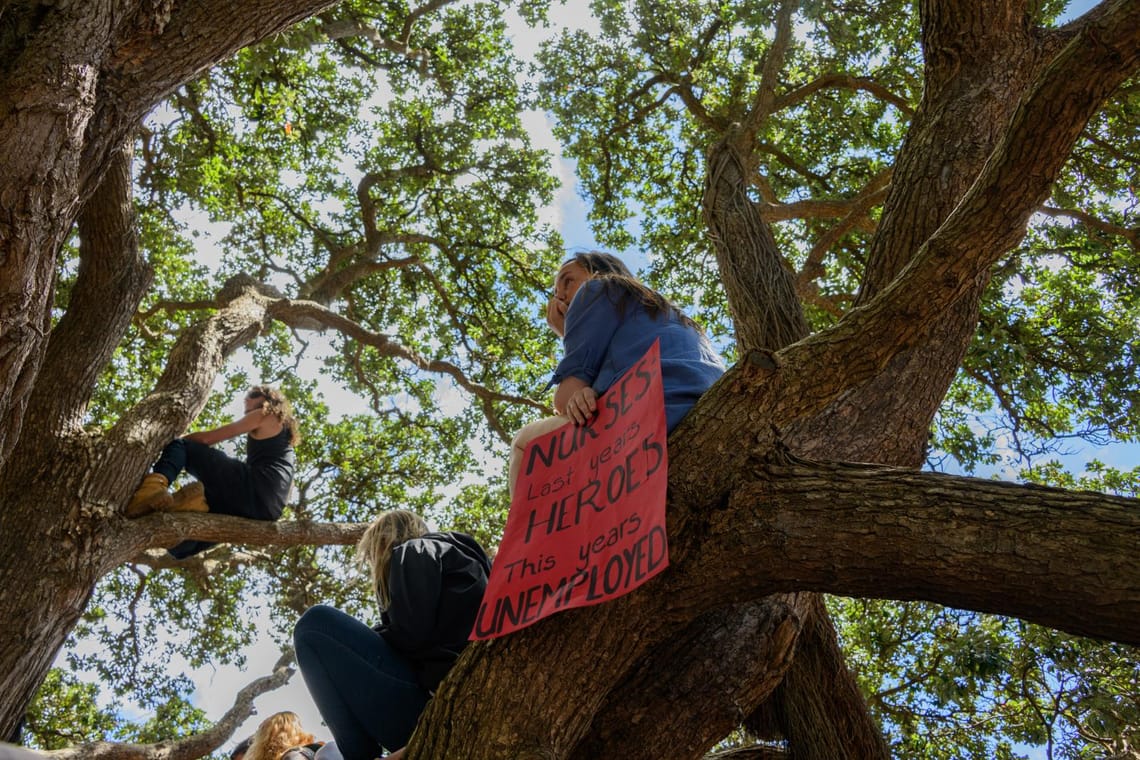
(371, 684)
(256, 488)
(280, 737)
(607, 320)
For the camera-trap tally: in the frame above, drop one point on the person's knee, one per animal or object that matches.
(316, 619)
(318, 615)
(520, 439)
(532, 430)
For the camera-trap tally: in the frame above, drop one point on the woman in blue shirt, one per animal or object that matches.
(608, 319)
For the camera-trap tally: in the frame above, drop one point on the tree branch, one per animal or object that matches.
(148, 65)
(306, 314)
(112, 279)
(992, 216)
(750, 646)
(196, 358)
(1131, 235)
(760, 289)
(244, 307)
(858, 213)
(818, 707)
(765, 98)
(197, 745)
(1063, 559)
(167, 529)
(330, 284)
(843, 81)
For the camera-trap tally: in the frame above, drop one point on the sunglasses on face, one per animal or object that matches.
(254, 395)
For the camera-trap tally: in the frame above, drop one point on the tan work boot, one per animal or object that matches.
(151, 496)
(189, 498)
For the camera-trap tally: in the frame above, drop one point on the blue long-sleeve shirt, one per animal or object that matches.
(605, 335)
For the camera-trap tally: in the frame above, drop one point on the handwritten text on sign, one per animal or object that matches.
(587, 522)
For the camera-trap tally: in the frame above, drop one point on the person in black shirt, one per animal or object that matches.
(371, 684)
(257, 487)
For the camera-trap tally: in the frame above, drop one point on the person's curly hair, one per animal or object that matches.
(273, 402)
(277, 733)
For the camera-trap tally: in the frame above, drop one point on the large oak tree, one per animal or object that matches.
(860, 273)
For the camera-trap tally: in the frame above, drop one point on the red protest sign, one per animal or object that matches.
(587, 522)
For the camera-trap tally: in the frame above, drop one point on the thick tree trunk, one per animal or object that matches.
(980, 58)
(720, 667)
(75, 79)
(67, 562)
(42, 122)
(860, 531)
(540, 693)
(754, 274)
(818, 707)
(760, 290)
(61, 509)
(887, 420)
(107, 64)
(1068, 560)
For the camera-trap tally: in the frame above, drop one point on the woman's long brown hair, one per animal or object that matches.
(620, 284)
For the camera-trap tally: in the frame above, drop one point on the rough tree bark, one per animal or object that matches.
(75, 81)
(978, 64)
(748, 256)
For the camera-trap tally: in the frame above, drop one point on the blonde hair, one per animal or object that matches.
(273, 402)
(277, 733)
(386, 532)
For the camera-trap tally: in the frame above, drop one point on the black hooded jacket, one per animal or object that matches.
(436, 584)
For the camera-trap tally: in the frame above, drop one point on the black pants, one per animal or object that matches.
(228, 484)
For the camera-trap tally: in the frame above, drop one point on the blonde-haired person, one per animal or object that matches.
(281, 737)
(607, 320)
(371, 684)
(256, 487)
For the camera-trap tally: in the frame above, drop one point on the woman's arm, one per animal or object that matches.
(247, 424)
(591, 322)
(415, 581)
(574, 398)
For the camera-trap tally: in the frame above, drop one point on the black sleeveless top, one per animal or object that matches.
(271, 463)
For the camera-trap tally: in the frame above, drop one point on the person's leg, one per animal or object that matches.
(172, 460)
(526, 434)
(366, 692)
(226, 480)
(226, 487)
(189, 548)
(152, 494)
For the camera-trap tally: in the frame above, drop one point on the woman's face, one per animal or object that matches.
(253, 400)
(570, 277)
